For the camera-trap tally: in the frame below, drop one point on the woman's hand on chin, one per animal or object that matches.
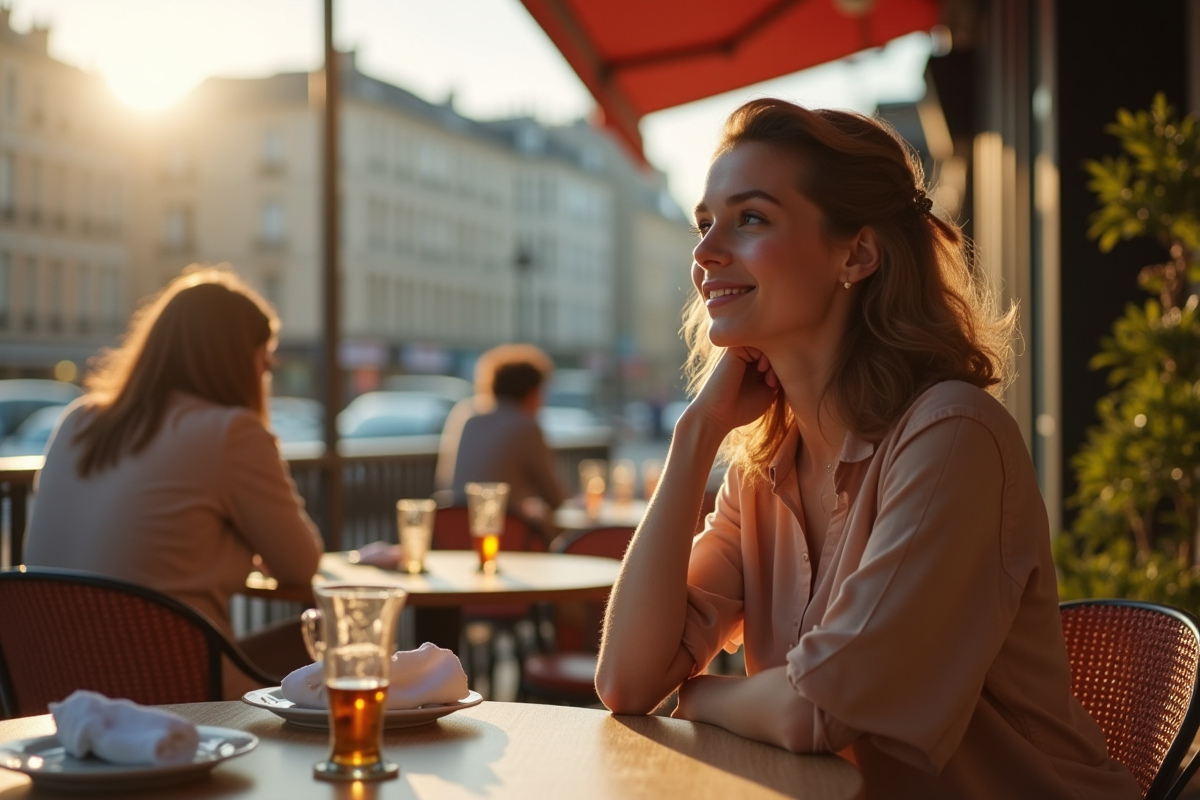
(739, 391)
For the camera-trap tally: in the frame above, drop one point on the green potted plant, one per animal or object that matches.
(1138, 473)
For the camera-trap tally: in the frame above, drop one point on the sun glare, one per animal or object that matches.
(150, 89)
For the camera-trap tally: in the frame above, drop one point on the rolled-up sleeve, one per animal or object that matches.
(715, 580)
(903, 649)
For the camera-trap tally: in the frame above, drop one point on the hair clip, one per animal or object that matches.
(922, 202)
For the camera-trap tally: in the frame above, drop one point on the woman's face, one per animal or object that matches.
(765, 269)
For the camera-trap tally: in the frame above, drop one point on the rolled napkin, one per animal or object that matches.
(429, 675)
(122, 732)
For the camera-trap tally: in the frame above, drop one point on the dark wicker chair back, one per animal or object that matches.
(1135, 668)
(63, 630)
(452, 531)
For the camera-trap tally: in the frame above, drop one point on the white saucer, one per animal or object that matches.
(44, 760)
(273, 700)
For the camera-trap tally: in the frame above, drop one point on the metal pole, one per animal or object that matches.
(334, 499)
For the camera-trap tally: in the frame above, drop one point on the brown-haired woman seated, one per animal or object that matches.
(165, 473)
(879, 545)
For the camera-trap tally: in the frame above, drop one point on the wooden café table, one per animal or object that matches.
(453, 580)
(498, 751)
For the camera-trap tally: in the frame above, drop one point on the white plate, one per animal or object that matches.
(274, 701)
(44, 760)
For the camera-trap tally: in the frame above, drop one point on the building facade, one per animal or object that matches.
(64, 197)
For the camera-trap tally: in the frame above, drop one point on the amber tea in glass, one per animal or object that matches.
(353, 632)
(486, 507)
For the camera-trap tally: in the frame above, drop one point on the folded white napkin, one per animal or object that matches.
(429, 675)
(122, 732)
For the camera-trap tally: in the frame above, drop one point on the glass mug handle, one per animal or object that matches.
(310, 626)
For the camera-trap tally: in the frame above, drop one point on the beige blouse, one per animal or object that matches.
(929, 638)
(184, 516)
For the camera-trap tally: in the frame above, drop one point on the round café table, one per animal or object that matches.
(572, 517)
(501, 751)
(453, 580)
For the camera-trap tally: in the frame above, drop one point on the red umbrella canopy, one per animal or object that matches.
(639, 56)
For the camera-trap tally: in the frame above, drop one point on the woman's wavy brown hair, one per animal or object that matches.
(198, 335)
(923, 317)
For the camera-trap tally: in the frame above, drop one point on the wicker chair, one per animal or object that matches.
(569, 673)
(63, 630)
(1135, 667)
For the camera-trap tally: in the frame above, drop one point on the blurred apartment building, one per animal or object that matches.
(65, 168)
(456, 234)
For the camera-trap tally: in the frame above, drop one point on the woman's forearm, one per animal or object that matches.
(641, 658)
(764, 707)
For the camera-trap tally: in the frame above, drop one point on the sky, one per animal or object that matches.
(489, 53)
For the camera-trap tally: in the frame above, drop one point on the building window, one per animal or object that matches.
(83, 297)
(273, 291)
(56, 295)
(377, 219)
(31, 294)
(272, 223)
(110, 297)
(273, 150)
(85, 201)
(35, 191)
(5, 288)
(177, 228)
(37, 114)
(57, 197)
(12, 98)
(8, 184)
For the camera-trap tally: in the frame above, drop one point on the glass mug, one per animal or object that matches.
(353, 632)
(414, 518)
(487, 504)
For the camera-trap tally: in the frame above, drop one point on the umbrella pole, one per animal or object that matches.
(332, 462)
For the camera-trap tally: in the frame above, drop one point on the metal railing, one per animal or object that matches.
(375, 472)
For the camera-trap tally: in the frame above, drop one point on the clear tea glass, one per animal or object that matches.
(487, 504)
(353, 632)
(624, 479)
(593, 473)
(651, 470)
(414, 518)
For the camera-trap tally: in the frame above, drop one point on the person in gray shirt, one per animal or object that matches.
(494, 436)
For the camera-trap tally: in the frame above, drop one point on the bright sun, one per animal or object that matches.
(152, 88)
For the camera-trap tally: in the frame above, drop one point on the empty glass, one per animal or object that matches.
(353, 632)
(487, 504)
(414, 518)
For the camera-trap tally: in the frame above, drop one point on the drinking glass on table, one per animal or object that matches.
(592, 474)
(415, 521)
(487, 504)
(624, 476)
(353, 632)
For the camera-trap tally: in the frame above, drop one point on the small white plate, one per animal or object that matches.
(273, 700)
(44, 760)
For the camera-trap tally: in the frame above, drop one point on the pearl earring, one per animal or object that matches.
(846, 284)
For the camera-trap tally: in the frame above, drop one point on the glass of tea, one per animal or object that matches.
(353, 632)
(414, 518)
(486, 507)
(592, 475)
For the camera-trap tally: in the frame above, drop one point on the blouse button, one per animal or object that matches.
(805, 557)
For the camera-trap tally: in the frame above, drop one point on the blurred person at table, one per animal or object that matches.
(879, 545)
(165, 473)
(494, 436)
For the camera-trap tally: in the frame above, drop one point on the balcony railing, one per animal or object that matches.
(375, 474)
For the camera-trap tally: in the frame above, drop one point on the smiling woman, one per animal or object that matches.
(879, 546)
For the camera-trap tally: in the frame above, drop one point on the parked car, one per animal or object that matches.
(562, 423)
(297, 419)
(31, 436)
(20, 397)
(383, 413)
